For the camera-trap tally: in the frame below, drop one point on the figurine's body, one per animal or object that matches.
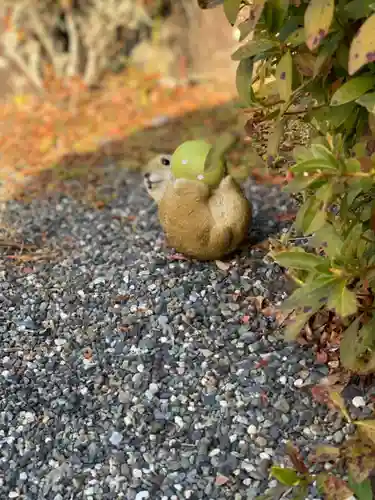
(199, 222)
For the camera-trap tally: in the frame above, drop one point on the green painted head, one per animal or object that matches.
(188, 162)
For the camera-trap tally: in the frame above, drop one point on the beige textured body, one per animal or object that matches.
(200, 223)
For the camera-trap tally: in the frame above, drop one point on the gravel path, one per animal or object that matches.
(127, 375)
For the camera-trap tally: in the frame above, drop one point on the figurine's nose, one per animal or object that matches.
(147, 175)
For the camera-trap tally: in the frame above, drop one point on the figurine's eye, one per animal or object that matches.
(165, 161)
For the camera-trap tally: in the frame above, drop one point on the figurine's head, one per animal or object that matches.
(157, 175)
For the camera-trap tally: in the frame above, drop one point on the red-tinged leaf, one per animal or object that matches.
(321, 357)
(320, 394)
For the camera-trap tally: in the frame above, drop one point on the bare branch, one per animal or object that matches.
(74, 45)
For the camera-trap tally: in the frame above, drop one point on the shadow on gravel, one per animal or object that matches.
(129, 153)
(100, 178)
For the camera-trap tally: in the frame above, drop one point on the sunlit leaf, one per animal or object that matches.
(283, 74)
(362, 48)
(353, 89)
(286, 476)
(342, 300)
(318, 19)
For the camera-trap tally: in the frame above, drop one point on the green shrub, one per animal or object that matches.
(315, 60)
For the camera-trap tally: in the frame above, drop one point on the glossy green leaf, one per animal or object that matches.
(353, 89)
(312, 295)
(231, 8)
(286, 476)
(313, 166)
(362, 48)
(244, 78)
(363, 490)
(254, 48)
(320, 151)
(356, 9)
(367, 101)
(299, 183)
(335, 116)
(298, 259)
(342, 300)
(318, 19)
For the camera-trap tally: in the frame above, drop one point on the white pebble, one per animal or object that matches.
(298, 382)
(283, 379)
(23, 476)
(115, 438)
(142, 495)
(179, 422)
(252, 430)
(140, 368)
(358, 401)
(60, 342)
(13, 494)
(153, 388)
(137, 473)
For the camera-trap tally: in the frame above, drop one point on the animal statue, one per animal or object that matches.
(199, 221)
